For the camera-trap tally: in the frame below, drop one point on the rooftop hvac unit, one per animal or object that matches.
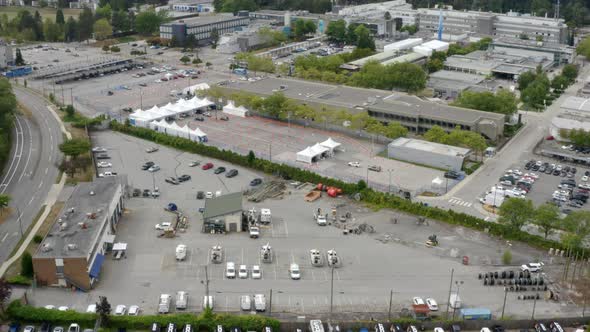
(46, 247)
(72, 246)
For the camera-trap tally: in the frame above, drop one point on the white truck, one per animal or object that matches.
(164, 304)
(180, 252)
(259, 302)
(265, 216)
(455, 301)
(181, 300)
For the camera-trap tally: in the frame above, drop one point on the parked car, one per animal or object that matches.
(194, 163)
(224, 118)
(103, 164)
(91, 308)
(163, 225)
(171, 180)
(230, 270)
(256, 272)
(99, 149)
(294, 271)
(133, 310)
(207, 166)
(243, 272)
(219, 170)
(74, 328)
(147, 165)
(199, 118)
(375, 168)
(151, 149)
(418, 301)
(154, 168)
(200, 195)
(431, 303)
(452, 175)
(29, 328)
(354, 164)
(255, 182)
(184, 178)
(120, 310)
(103, 156)
(532, 267)
(231, 173)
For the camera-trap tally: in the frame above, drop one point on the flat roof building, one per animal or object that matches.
(450, 84)
(224, 211)
(427, 153)
(418, 115)
(73, 251)
(495, 62)
(6, 55)
(202, 26)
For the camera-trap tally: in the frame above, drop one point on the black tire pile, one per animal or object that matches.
(515, 281)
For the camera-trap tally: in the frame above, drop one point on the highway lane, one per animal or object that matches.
(32, 168)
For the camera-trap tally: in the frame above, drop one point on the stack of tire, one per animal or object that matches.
(519, 281)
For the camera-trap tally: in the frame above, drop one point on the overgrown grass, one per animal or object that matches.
(12, 11)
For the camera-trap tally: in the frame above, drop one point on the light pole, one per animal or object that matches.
(450, 289)
(206, 284)
(331, 294)
(458, 283)
(504, 305)
(140, 98)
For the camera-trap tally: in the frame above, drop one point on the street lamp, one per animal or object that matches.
(206, 284)
(458, 283)
(389, 171)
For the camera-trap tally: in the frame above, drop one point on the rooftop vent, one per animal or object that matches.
(46, 247)
(92, 193)
(72, 246)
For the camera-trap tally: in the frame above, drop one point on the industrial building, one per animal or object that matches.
(193, 7)
(202, 26)
(417, 114)
(6, 55)
(427, 153)
(460, 24)
(575, 114)
(556, 52)
(72, 253)
(496, 62)
(223, 213)
(449, 84)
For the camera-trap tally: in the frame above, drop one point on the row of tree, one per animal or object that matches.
(535, 86)
(503, 101)
(7, 111)
(233, 6)
(351, 34)
(578, 137)
(457, 137)
(517, 212)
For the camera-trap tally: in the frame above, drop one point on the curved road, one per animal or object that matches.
(32, 169)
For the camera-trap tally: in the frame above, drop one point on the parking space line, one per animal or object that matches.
(312, 275)
(275, 269)
(302, 306)
(337, 275)
(286, 228)
(207, 256)
(325, 276)
(242, 260)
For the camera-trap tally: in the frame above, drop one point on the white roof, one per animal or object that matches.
(330, 143)
(308, 152)
(318, 149)
(198, 132)
(119, 246)
(436, 45)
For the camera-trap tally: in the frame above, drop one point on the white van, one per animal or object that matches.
(265, 216)
(259, 302)
(230, 270)
(181, 300)
(315, 325)
(245, 303)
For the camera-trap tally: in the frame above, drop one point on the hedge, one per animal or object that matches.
(369, 196)
(202, 322)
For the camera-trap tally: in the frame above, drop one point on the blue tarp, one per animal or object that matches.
(95, 270)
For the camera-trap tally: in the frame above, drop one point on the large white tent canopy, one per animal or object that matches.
(330, 144)
(307, 155)
(173, 129)
(142, 118)
(232, 109)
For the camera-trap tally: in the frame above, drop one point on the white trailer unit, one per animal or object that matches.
(265, 216)
(259, 302)
(164, 304)
(455, 301)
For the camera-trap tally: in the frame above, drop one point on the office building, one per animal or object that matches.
(202, 26)
(417, 114)
(72, 253)
(427, 153)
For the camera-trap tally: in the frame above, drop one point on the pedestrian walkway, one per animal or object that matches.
(460, 202)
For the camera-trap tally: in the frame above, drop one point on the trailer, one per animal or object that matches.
(164, 303)
(265, 216)
(455, 301)
(475, 314)
(266, 253)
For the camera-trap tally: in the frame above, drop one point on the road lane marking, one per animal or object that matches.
(30, 150)
(46, 170)
(40, 184)
(18, 145)
(4, 238)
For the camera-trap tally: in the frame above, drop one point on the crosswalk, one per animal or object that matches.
(460, 202)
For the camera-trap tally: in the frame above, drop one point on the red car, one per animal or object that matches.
(207, 166)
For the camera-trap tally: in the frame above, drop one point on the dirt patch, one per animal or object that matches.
(24, 110)
(5, 214)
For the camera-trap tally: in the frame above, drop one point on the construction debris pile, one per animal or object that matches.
(272, 189)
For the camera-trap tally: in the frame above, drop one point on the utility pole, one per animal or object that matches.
(504, 305)
(535, 305)
(62, 96)
(270, 151)
(584, 307)
(332, 294)
(71, 97)
(390, 301)
(450, 289)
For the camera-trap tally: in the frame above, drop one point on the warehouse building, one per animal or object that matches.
(511, 24)
(417, 114)
(202, 26)
(223, 213)
(427, 153)
(6, 55)
(72, 253)
(449, 84)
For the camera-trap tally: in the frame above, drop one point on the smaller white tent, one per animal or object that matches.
(306, 155)
(330, 144)
(319, 150)
(193, 88)
(232, 109)
(199, 135)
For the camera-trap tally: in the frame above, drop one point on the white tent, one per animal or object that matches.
(231, 108)
(319, 150)
(306, 155)
(193, 88)
(199, 135)
(330, 144)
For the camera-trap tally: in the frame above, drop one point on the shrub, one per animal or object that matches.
(26, 265)
(37, 238)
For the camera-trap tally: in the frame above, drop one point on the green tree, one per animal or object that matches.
(26, 265)
(103, 309)
(74, 147)
(436, 134)
(525, 79)
(70, 30)
(364, 38)
(105, 48)
(583, 47)
(503, 101)
(336, 31)
(19, 61)
(102, 29)
(411, 28)
(570, 72)
(103, 12)
(351, 38)
(52, 31)
(275, 105)
(5, 293)
(395, 129)
(251, 158)
(507, 257)
(191, 41)
(214, 38)
(540, 7)
(4, 201)
(535, 94)
(547, 218)
(148, 22)
(516, 212)
(115, 49)
(120, 21)
(59, 17)
(85, 24)
(185, 59)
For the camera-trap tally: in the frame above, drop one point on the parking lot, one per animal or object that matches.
(393, 257)
(280, 142)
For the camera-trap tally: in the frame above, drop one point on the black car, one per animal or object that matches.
(556, 172)
(256, 182)
(231, 173)
(171, 180)
(535, 167)
(498, 328)
(452, 175)
(540, 327)
(136, 192)
(45, 327)
(587, 173)
(200, 195)
(573, 170)
(184, 178)
(146, 193)
(199, 118)
(555, 327)
(219, 170)
(147, 165)
(103, 156)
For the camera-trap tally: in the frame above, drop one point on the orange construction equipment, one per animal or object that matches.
(312, 195)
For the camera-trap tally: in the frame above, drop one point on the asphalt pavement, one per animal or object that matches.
(32, 168)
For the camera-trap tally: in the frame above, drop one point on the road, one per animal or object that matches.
(32, 168)
(464, 197)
